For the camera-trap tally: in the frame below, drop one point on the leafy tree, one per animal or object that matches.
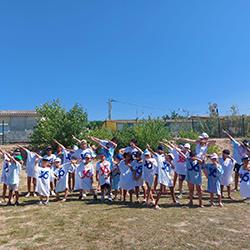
(57, 123)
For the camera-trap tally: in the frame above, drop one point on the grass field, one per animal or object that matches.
(95, 225)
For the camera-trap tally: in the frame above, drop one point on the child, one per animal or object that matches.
(43, 174)
(84, 177)
(132, 148)
(180, 164)
(164, 177)
(30, 170)
(83, 150)
(115, 176)
(13, 178)
(194, 177)
(240, 150)
(126, 182)
(214, 172)
(245, 178)
(227, 163)
(137, 165)
(62, 174)
(103, 172)
(5, 169)
(148, 173)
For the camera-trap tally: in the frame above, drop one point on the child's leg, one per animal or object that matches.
(137, 190)
(212, 199)
(102, 193)
(191, 193)
(10, 196)
(17, 196)
(73, 181)
(120, 191)
(144, 192)
(175, 178)
(229, 191)
(131, 195)
(220, 200)
(80, 194)
(29, 184)
(124, 194)
(34, 184)
(155, 182)
(69, 181)
(4, 191)
(57, 196)
(173, 194)
(199, 191)
(180, 184)
(158, 196)
(236, 180)
(222, 189)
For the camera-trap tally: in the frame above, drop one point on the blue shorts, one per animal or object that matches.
(182, 177)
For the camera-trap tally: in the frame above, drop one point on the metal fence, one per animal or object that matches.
(238, 126)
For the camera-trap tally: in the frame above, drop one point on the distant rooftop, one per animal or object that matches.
(17, 113)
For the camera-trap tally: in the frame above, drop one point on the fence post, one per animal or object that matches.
(193, 124)
(2, 132)
(243, 126)
(219, 127)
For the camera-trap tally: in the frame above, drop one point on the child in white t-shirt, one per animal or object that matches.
(137, 165)
(103, 171)
(43, 174)
(13, 177)
(30, 169)
(227, 163)
(5, 169)
(115, 176)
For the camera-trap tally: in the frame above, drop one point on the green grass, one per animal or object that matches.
(91, 225)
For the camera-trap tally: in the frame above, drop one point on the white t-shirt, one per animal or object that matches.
(14, 171)
(81, 153)
(244, 183)
(43, 180)
(148, 172)
(30, 163)
(201, 151)
(180, 163)
(50, 158)
(126, 177)
(62, 175)
(103, 169)
(227, 166)
(5, 170)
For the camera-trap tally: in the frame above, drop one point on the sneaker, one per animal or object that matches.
(40, 203)
(179, 196)
(221, 204)
(27, 195)
(34, 194)
(53, 193)
(17, 203)
(46, 202)
(63, 200)
(84, 195)
(157, 207)
(110, 199)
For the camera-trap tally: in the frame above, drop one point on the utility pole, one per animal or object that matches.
(110, 101)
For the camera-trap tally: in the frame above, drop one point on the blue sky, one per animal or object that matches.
(160, 55)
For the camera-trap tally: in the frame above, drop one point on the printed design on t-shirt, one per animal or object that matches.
(194, 167)
(68, 156)
(6, 167)
(86, 173)
(181, 158)
(244, 177)
(148, 165)
(44, 175)
(166, 166)
(104, 169)
(61, 173)
(212, 172)
(139, 170)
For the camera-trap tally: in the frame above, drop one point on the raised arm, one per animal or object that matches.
(228, 135)
(98, 141)
(79, 141)
(59, 144)
(187, 140)
(151, 150)
(139, 149)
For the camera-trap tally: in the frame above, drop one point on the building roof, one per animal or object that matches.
(30, 113)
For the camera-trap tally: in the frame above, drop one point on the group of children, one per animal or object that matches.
(129, 171)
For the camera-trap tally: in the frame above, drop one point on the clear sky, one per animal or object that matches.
(160, 55)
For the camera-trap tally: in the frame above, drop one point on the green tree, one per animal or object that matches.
(57, 123)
